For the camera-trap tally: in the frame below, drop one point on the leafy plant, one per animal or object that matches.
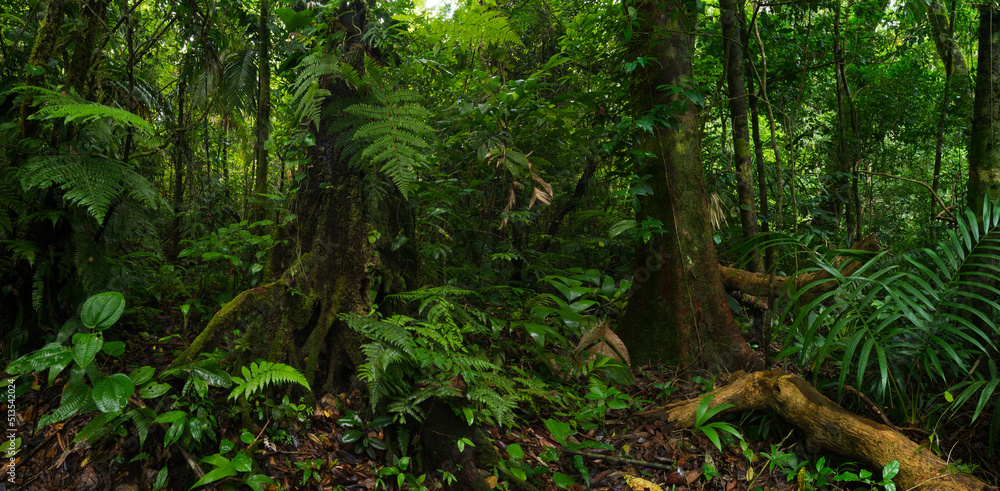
(258, 376)
(360, 432)
(412, 360)
(106, 393)
(915, 324)
(704, 413)
(240, 464)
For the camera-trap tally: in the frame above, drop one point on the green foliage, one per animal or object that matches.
(914, 328)
(73, 109)
(395, 139)
(475, 26)
(240, 465)
(306, 94)
(413, 360)
(706, 412)
(106, 393)
(257, 377)
(92, 182)
(362, 434)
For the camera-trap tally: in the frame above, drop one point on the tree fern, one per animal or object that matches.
(258, 376)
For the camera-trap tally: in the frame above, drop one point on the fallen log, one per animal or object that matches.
(831, 427)
(759, 285)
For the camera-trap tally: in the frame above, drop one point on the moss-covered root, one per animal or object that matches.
(262, 300)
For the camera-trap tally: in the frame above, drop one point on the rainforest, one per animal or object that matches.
(500, 244)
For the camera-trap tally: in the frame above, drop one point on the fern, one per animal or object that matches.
(475, 26)
(91, 182)
(307, 94)
(258, 376)
(412, 360)
(395, 135)
(72, 109)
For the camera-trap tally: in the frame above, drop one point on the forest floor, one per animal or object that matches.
(314, 455)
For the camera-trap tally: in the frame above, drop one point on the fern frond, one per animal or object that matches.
(475, 26)
(258, 376)
(307, 94)
(90, 182)
(396, 134)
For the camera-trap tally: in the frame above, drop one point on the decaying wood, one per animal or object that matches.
(759, 285)
(831, 427)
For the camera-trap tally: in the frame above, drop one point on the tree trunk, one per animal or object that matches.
(45, 41)
(733, 48)
(828, 426)
(984, 152)
(677, 313)
(942, 30)
(263, 110)
(323, 268)
(180, 156)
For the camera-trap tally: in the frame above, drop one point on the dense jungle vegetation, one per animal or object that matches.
(524, 244)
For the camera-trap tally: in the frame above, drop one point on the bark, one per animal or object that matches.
(831, 427)
(733, 46)
(263, 109)
(677, 313)
(83, 54)
(984, 153)
(41, 51)
(942, 30)
(323, 266)
(180, 157)
(762, 285)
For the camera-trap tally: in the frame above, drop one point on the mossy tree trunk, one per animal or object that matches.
(324, 267)
(263, 110)
(984, 146)
(677, 313)
(731, 41)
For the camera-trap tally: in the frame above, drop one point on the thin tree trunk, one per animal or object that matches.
(45, 41)
(733, 47)
(263, 109)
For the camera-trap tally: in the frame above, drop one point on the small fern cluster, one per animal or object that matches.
(411, 361)
(259, 375)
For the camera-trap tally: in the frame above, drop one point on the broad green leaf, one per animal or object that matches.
(171, 417)
(154, 390)
(86, 348)
(559, 430)
(220, 472)
(97, 427)
(142, 375)
(111, 393)
(74, 399)
(515, 451)
(102, 310)
(52, 355)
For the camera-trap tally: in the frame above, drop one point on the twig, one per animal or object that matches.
(623, 460)
(922, 183)
(873, 406)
